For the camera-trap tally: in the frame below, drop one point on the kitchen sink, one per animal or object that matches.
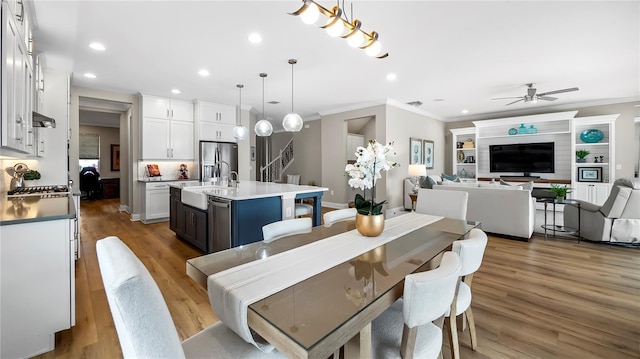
(195, 197)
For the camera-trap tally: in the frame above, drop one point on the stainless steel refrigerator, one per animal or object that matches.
(218, 160)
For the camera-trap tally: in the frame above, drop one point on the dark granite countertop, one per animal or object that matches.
(17, 210)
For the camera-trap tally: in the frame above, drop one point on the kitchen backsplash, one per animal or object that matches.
(168, 170)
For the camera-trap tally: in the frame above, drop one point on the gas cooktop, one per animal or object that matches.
(38, 190)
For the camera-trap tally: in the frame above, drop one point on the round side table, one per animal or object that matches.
(414, 198)
(560, 228)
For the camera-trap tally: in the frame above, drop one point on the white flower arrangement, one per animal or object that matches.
(366, 171)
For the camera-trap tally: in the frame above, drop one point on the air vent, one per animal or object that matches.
(273, 102)
(415, 103)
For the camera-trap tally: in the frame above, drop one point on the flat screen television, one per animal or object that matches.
(522, 157)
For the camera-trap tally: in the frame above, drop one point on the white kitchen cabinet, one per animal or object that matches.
(215, 112)
(167, 129)
(596, 193)
(37, 286)
(166, 139)
(211, 131)
(170, 109)
(17, 81)
(156, 201)
(215, 121)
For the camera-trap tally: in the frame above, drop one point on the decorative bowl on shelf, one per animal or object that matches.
(592, 135)
(513, 131)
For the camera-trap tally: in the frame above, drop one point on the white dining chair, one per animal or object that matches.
(438, 202)
(288, 227)
(471, 252)
(406, 329)
(339, 215)
(142, 319)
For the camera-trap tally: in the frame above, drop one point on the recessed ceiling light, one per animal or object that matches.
(203, 73)
(438, 99)
(391, 77)
(255, 38)
(90, 75)
(175, 91)
(465, 111)
(97, 46)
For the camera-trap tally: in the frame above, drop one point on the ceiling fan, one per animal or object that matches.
(533, 97)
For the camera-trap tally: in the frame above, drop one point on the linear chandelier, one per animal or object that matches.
(336, 26)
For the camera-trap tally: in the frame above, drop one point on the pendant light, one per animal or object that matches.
(263, 127)
(240, 132)
(292, 122)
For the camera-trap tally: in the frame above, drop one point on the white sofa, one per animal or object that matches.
(503, 210)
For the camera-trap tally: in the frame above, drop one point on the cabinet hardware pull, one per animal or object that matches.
(171, 113)
(21, 16)
(167, 113)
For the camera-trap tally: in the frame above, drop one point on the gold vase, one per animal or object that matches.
(370, 225)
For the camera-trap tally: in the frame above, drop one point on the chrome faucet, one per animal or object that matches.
(224, 162)
(233, 182)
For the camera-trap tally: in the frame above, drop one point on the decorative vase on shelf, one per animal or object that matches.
(522, 130)
(370, 225)
(533, 129)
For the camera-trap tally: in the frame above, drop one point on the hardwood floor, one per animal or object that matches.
(541, 299)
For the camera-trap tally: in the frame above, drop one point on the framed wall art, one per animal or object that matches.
(415, 151)
(428, 153)
(589, 174)
(115, 157)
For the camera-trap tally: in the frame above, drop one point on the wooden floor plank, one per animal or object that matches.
(546, 299)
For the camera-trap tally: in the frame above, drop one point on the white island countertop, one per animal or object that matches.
(251, 189)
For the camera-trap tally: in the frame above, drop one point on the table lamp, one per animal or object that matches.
(417, 171)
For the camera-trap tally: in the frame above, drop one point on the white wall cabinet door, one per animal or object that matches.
(212, 131)
(215, 112)
(156, 107)
(181, 110)
(181, 140)
(155, 138)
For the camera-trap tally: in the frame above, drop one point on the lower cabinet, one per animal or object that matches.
(156, 201)
(37, 286)
(188, 223)
(596, 193)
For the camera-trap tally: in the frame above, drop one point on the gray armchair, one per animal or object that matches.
(617, 220)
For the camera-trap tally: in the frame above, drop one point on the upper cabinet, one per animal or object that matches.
(17, 80)
(215, 121)
(160, 107)
(167, 129)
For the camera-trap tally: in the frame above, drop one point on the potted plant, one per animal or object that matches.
(582, 154)
(32, 175)
(364, 173)
(560, 192)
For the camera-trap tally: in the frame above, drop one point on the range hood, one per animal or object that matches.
(43, 121)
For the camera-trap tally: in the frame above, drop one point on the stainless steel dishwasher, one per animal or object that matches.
(219, 224)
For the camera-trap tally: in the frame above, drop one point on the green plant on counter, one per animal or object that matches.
(582, 154)
(559, 191)
(32, 175)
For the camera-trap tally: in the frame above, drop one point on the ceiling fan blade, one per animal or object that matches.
(558, 91)
(506, 98)
(511, 103)
(547, 98)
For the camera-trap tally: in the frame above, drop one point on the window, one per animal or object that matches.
(89, 150)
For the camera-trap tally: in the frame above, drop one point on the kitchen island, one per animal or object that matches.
(214, 218)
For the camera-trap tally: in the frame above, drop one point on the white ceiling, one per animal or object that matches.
(464, 53)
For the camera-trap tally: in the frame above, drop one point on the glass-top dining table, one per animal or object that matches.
(315, 317)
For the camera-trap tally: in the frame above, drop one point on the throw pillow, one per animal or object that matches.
(427, 182)
(453, 178)
(528, 185)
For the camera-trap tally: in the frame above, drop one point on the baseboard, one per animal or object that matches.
(135, 217)
(124, 208)
(334, 205)
(155, 220)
